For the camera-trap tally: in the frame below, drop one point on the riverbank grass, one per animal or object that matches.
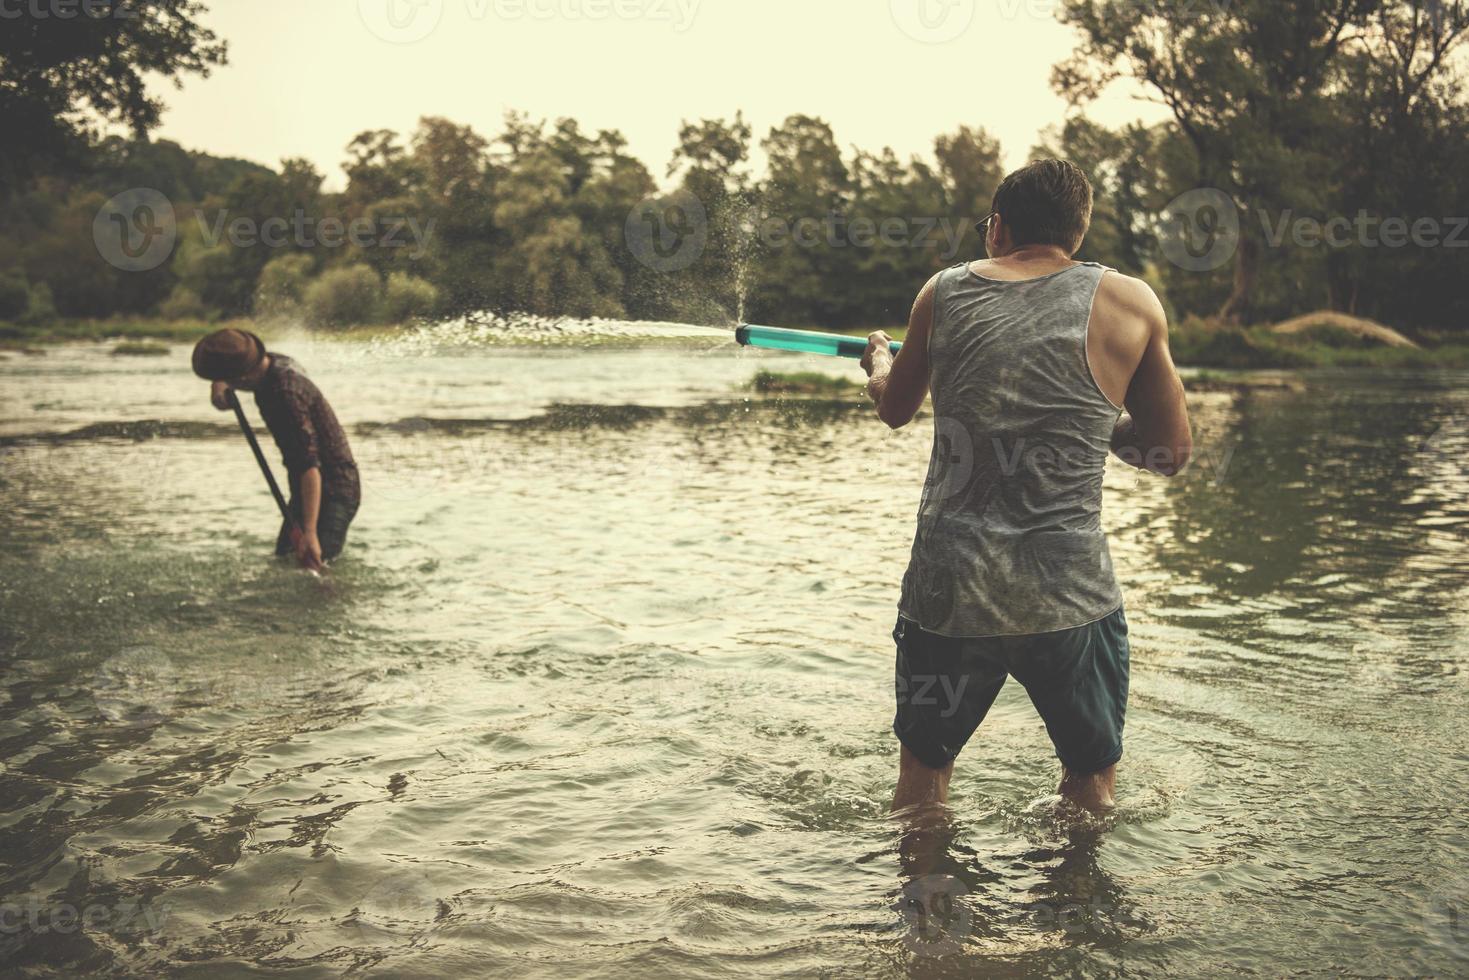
(803, 383)
(140, 348)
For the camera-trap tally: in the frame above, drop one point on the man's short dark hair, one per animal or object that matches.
(1046, 202)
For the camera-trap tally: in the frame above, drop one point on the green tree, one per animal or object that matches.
(59, 73)
(710, 164)
(970, 170)
(801, 208)
(1248, 84)
(456, 192)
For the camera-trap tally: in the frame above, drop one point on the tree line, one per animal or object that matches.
(1316, 156)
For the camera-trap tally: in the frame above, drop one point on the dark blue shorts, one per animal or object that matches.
(1076, 678)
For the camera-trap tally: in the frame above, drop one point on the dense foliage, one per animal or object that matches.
(1292, 113)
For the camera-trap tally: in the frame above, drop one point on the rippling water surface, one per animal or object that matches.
(603, 684)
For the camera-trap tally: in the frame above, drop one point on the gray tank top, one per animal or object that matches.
(1009, 537)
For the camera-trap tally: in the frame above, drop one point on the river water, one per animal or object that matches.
(602, 686)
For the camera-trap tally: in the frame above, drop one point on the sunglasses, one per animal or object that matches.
(982, 226)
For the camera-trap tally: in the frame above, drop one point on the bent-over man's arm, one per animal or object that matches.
(308, 549)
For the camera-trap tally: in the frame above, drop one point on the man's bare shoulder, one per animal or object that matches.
(1129, 304)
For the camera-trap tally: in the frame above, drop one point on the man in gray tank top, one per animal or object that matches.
(1029, 356)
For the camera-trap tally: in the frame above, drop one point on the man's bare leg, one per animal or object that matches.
(920, 785)
(920, 804)
(1090, 792)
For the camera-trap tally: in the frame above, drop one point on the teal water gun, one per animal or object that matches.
(806, 341)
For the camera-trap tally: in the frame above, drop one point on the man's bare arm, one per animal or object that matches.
(308, 550)
(1154, 435)
(898, 385)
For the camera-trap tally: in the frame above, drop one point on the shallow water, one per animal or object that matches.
(603, 686)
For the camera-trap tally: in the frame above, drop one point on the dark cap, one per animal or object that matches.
(227, 354)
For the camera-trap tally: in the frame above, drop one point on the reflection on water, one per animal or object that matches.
(603, 686)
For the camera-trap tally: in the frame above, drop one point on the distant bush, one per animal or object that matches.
(406, 298)
(283, 284)
(1199, 342)
(183, 304)
(15, 297)
(41, 307)
(1208, 343)
(1327, 335)
(346, 296)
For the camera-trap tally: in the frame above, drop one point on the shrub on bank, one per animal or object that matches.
(183, 304)
(345, 296)
(15, 297)
(283, 285)
(407, 298)
(1209, 343)
(1199, 342)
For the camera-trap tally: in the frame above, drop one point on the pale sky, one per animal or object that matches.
(305, 76)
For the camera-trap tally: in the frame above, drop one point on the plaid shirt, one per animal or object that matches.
(306, 430)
